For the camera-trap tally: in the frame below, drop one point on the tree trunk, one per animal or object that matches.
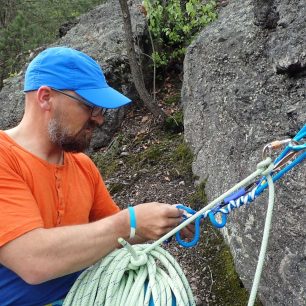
(135, 67)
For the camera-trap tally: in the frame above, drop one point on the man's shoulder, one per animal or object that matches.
(3, 138)
(5, 144)
(7, 154)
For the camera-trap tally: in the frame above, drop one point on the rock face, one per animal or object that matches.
(245, 86)
(98, 33)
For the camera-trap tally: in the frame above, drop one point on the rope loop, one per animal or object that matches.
(212, 217)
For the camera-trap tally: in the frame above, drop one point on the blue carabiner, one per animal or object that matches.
(194, 241)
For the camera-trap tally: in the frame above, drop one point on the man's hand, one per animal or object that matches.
(156, 219)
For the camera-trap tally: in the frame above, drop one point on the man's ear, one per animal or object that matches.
(44, 97)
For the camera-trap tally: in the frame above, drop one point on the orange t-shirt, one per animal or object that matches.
(35, 193)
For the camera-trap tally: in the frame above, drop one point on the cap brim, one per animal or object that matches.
(106, 97)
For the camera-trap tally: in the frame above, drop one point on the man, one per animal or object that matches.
(57, 217)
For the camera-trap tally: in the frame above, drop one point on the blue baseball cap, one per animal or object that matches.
(68, 69)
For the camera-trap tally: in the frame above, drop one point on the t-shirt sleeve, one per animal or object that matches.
(103, 205)
(18, 209)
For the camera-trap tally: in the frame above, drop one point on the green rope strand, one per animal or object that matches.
(264, 242)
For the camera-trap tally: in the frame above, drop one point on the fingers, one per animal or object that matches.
(166, 210)
(173, 222)
(185, 232)
(172, 211)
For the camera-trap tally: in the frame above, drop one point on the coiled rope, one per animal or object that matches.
(132, 276)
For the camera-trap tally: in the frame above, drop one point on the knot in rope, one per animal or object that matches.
(266, 166)
(141, 260)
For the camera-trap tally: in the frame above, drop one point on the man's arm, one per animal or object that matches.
(44, 254)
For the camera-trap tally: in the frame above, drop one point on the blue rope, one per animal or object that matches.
(247, 194)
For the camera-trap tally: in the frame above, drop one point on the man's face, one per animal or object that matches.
(67, 139)
(71, 125)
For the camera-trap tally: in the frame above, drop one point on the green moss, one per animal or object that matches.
(109, 160)
(106, 164)
(153, 154)
(227, 286)
(198, 199)
(181, 158)
(170, 151)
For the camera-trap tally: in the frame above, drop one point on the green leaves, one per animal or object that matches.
(173, 25)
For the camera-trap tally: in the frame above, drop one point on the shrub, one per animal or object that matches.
(173, 26)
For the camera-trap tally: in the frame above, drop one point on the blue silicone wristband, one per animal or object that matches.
(132, 221)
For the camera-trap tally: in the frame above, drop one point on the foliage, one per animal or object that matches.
(173, 99)
(174, 23)
(175, 122)
(25, 25)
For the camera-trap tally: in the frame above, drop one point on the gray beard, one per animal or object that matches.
(60, 136)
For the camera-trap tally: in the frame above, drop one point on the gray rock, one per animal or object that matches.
(245, 86)
(99, 33)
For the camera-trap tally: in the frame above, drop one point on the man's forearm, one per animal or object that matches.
(44, 254)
